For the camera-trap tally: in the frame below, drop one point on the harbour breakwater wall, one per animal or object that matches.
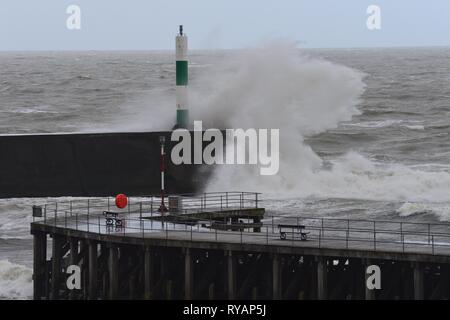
(92, 164)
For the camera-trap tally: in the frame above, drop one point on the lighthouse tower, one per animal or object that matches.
(181, 42)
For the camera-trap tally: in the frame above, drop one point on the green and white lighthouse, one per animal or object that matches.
(181, 43)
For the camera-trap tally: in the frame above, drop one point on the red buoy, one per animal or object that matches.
(121, 201)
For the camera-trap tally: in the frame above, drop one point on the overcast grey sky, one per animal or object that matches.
(220, 24)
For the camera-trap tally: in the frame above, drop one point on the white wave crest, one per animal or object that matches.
(15, 281)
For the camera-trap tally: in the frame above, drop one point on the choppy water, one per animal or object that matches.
(371, 139)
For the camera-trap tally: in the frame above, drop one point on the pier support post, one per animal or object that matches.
(188, 275)
(418, 281)
(321, 278)
(39, 265)
(149, 273)
(92, 270)
(56, 266)
(231, 276)
(276, 277)
(255, 293)
(73, 243)
(369, 293)
(169, 289)
(211, 289)
(113, 272)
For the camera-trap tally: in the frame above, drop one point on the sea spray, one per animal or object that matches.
(277, 87)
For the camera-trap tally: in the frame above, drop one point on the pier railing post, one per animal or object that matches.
(273, 230)
(56, 213)
(432, 245)
(240, 200)
(403, 243)
(401, 231)
(293, 237)
(88, 215)
(374, 236)
(226, 200)
(321, 228)
(320, 238)
(346, 237)
(151, 206)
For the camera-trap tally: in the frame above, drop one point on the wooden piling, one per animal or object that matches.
(188, 275)
(56, 266)
(418, 281)
(231, 275)
(321, 265)
(93, 270)
(149, 273)
(113, 272)
(39, 265)
(276, 277)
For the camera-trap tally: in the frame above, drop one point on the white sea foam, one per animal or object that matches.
(409, 208)
(439, 209)
(415, 127)
(375, 124)
(15, 281)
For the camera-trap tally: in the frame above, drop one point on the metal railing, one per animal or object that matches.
(138, 220)
(190, 203)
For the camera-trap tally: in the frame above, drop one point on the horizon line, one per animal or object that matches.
(220, 49)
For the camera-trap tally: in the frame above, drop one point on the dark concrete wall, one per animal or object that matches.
(91, 165)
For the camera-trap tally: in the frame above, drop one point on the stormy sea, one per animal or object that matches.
(364, 133)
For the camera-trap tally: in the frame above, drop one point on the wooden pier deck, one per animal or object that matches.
(149, 257)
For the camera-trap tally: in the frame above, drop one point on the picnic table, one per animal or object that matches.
(293, 229)
(112, 219)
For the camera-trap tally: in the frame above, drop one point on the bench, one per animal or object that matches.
(300, 229)
(112, 219)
